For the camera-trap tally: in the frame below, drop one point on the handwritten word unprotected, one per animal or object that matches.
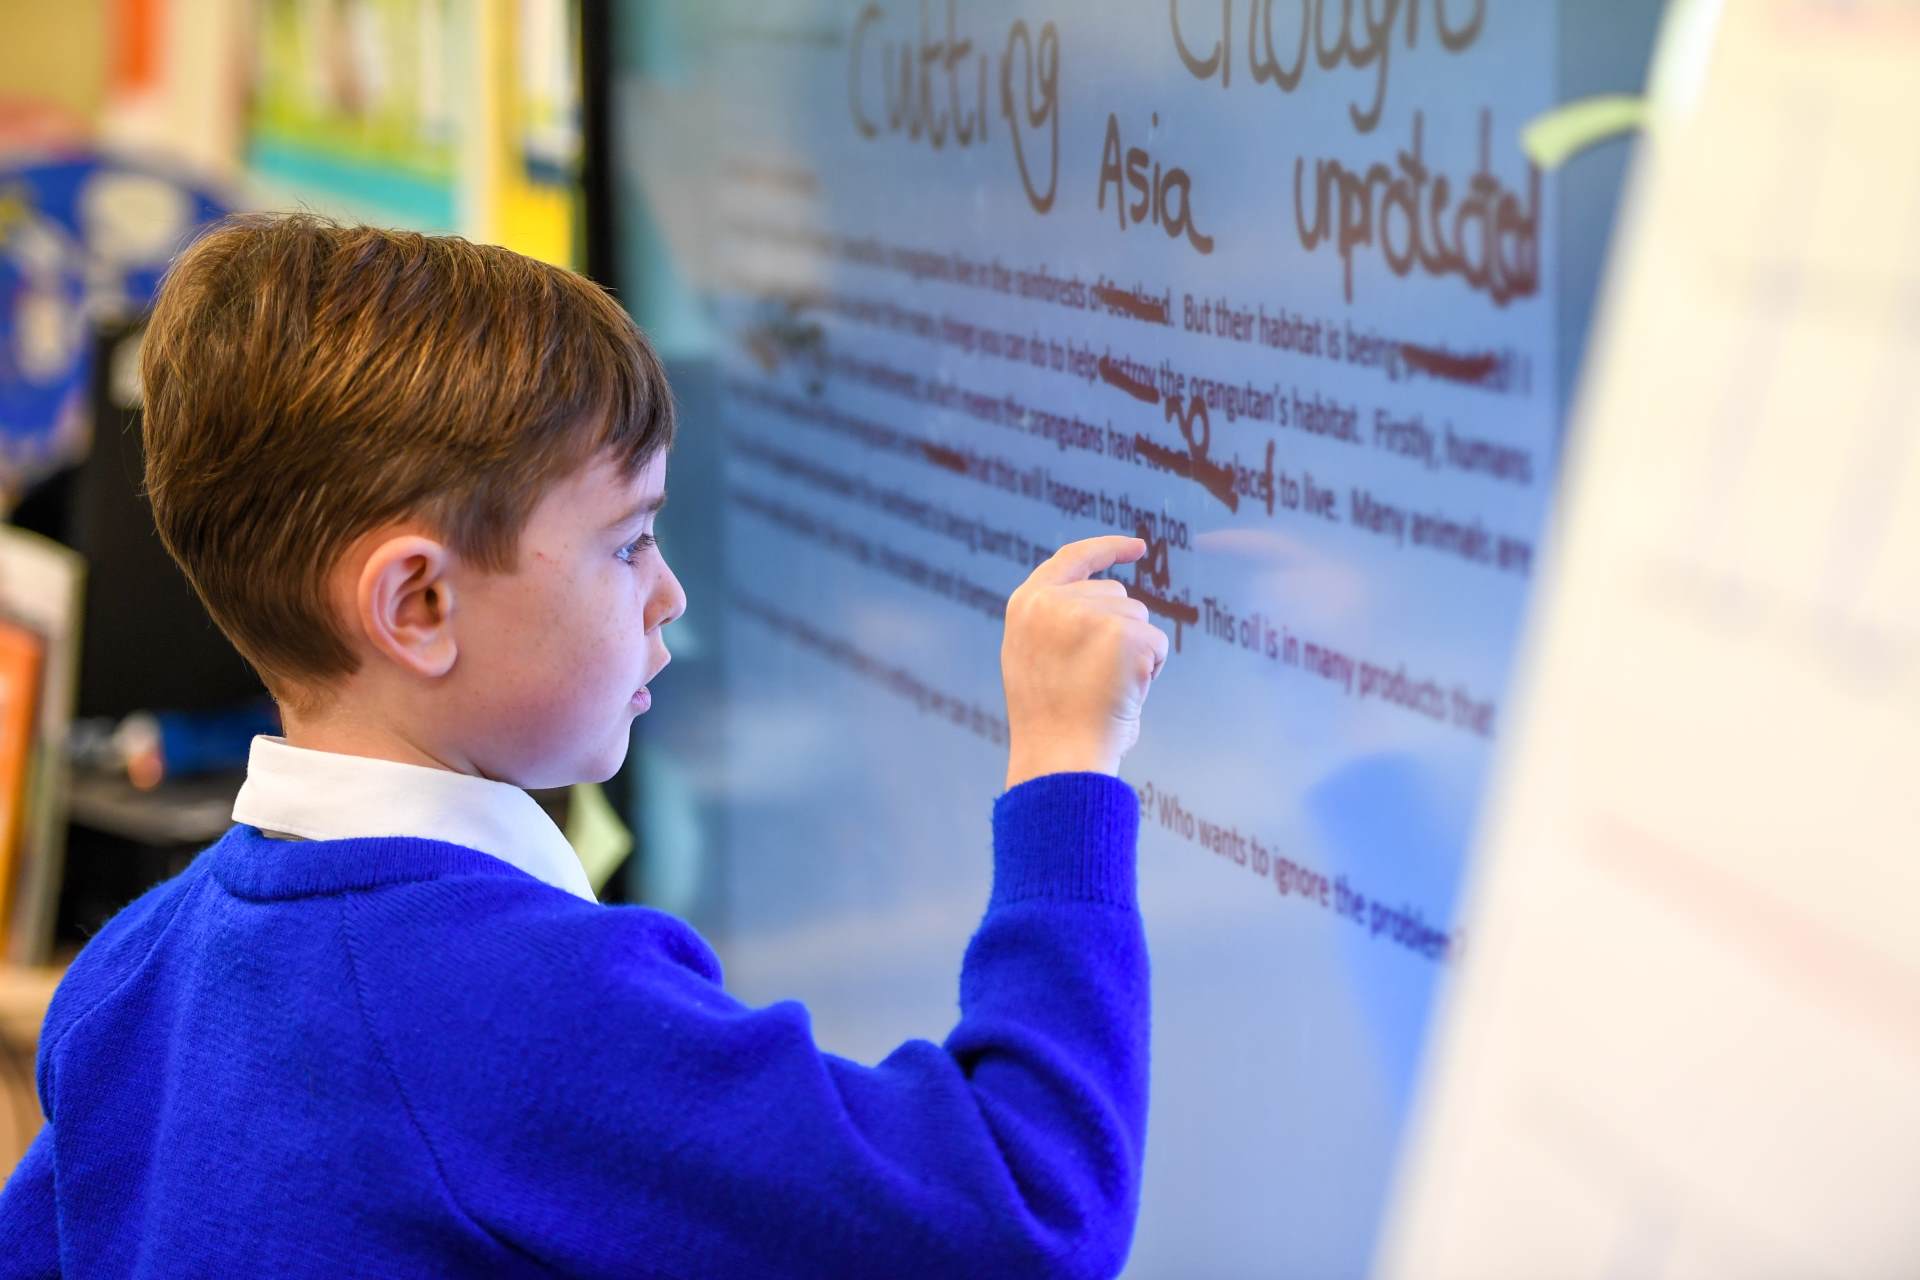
(1488, 238)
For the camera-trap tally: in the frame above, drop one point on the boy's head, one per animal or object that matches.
(414, 479)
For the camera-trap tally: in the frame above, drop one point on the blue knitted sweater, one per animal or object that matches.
(399, 1057)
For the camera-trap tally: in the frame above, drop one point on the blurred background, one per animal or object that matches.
(125, 125)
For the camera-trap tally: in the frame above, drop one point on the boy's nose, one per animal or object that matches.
(670, 598)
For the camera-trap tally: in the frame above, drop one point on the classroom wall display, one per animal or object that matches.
(40, 614)
(534, 175)
(429, 114)
(1274, 286)
(84, 239)
(356, 105)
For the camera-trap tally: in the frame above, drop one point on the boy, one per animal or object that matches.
(381, 1028)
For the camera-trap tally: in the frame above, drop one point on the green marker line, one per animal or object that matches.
(1562, 133)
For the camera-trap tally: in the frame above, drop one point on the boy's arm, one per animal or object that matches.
(598, 1101)
(29, 1231)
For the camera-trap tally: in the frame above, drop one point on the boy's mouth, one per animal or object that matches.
(641, 699)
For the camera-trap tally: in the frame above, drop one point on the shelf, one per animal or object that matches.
(192, 811)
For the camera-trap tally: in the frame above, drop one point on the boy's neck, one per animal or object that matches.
(343, 733)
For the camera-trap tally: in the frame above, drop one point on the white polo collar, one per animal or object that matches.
(322, 795)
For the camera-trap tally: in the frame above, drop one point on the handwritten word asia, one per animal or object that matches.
(1164, 199)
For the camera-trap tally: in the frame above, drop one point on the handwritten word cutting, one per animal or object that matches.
(925, 96)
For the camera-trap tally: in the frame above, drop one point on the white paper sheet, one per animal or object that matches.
(1687, 1040)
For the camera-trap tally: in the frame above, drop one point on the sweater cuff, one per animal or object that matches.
(1068, 836)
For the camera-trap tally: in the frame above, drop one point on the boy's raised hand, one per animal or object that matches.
(1077, 660)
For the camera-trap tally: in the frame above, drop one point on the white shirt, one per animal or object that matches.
(322, 795)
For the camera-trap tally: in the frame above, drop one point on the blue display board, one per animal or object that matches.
(84, 240)
(1272, 285)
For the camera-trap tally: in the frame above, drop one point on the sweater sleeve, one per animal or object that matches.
(29, 1231)
(648, 1123)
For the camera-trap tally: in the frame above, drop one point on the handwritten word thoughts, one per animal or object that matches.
(1330, 43)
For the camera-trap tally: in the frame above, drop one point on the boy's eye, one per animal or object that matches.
(627, 553)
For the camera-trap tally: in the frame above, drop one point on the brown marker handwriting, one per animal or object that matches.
(1437, 363)
(1124, 374)
(1226, 481)
(1163, 198)
(1153, 586)
(1489, 239)
(1326, 35)
(1134, 303)
(926, 93)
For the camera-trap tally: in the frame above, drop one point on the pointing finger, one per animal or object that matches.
(1079, 560)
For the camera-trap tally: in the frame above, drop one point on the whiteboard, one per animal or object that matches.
(1274, 286)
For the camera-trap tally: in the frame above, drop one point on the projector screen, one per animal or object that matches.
(1274, 286)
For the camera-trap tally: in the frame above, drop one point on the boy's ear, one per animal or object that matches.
(405, 603)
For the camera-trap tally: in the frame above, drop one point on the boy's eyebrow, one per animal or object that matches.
(640, 510)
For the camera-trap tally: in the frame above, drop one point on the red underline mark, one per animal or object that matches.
(941, 456)
(1444, 364)
(1114, 375)
(1174, 610)
(1137, 307)
(1217, 481)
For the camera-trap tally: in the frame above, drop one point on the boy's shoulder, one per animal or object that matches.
(467, 981)
(112, 956)
(524, 935)
(473, 925)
